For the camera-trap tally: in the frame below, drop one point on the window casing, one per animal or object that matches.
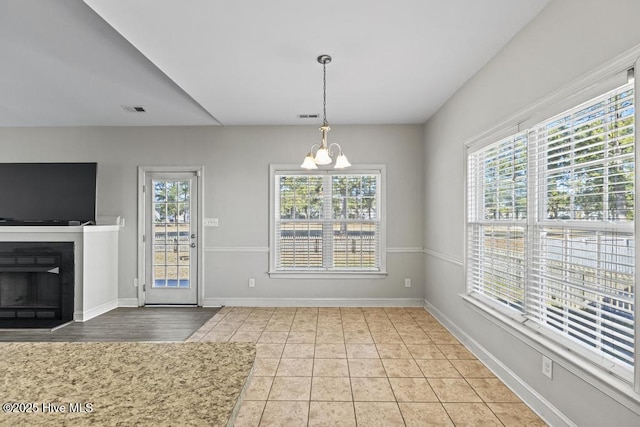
(551, 228)
(327, 221)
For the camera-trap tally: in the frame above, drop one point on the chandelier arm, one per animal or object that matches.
(331, 148)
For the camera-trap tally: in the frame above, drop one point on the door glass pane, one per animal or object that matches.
(159, 192)
(172, 191)
(160, 213)
(183, 276)
(172, 277)
(184, 190)
(171, 234)
(159, 276)
(183, 212)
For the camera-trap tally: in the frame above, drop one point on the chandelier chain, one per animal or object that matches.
(324, 94)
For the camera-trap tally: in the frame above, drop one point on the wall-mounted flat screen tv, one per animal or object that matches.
(47, 193)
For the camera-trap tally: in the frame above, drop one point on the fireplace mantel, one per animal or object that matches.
(96, 262)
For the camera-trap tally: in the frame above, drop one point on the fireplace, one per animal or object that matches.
(36, 284)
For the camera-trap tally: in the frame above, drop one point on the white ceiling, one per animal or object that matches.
(62, 65)
(202, 62)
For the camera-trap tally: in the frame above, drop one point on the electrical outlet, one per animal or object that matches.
(407, 283)
(547, 367)
(252, 282)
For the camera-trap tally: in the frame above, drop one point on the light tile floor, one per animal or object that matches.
(361, 367)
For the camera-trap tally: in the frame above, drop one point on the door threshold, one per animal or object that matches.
(171, 305)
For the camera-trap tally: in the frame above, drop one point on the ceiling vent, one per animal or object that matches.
(308, 116)
(133, 108)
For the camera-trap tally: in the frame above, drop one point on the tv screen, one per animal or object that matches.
(47, 192)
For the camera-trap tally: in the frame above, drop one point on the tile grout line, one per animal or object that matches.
(272, 381)
(389, 381)
(313, 363)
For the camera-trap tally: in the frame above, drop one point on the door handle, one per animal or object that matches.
(193, 236)
(193, 245)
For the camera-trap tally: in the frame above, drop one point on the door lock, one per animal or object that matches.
(193, 236)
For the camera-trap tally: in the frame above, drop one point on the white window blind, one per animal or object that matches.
(551, 226)
(497, 208)
(327, 221)
(583, 253)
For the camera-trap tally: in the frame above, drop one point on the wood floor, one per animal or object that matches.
(124, 324)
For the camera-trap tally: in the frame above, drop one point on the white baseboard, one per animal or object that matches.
(83, 316)
(128, 302)
(549, 413)
(312, 302)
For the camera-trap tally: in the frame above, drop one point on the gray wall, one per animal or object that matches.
(236, 175)
(568, 39)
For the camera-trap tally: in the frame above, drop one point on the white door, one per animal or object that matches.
(171, 240)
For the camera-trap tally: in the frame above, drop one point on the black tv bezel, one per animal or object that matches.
(57, 221)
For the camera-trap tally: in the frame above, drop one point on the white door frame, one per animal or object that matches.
(142, 175)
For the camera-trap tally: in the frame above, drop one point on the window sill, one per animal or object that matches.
(608, 382)
(327, 275)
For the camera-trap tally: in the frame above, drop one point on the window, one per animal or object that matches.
(327, 221)
(550, 227)
(583, 254)
(498, 211)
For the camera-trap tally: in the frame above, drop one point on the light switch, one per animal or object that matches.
(211, 222)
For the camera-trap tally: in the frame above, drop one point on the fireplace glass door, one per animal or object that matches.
(36, 284)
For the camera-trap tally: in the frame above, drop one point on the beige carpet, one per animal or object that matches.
(192, 383)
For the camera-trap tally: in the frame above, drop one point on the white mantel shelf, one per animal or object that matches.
(9, 229)
(95, 257)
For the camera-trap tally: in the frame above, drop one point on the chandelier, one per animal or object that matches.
(323, 154)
